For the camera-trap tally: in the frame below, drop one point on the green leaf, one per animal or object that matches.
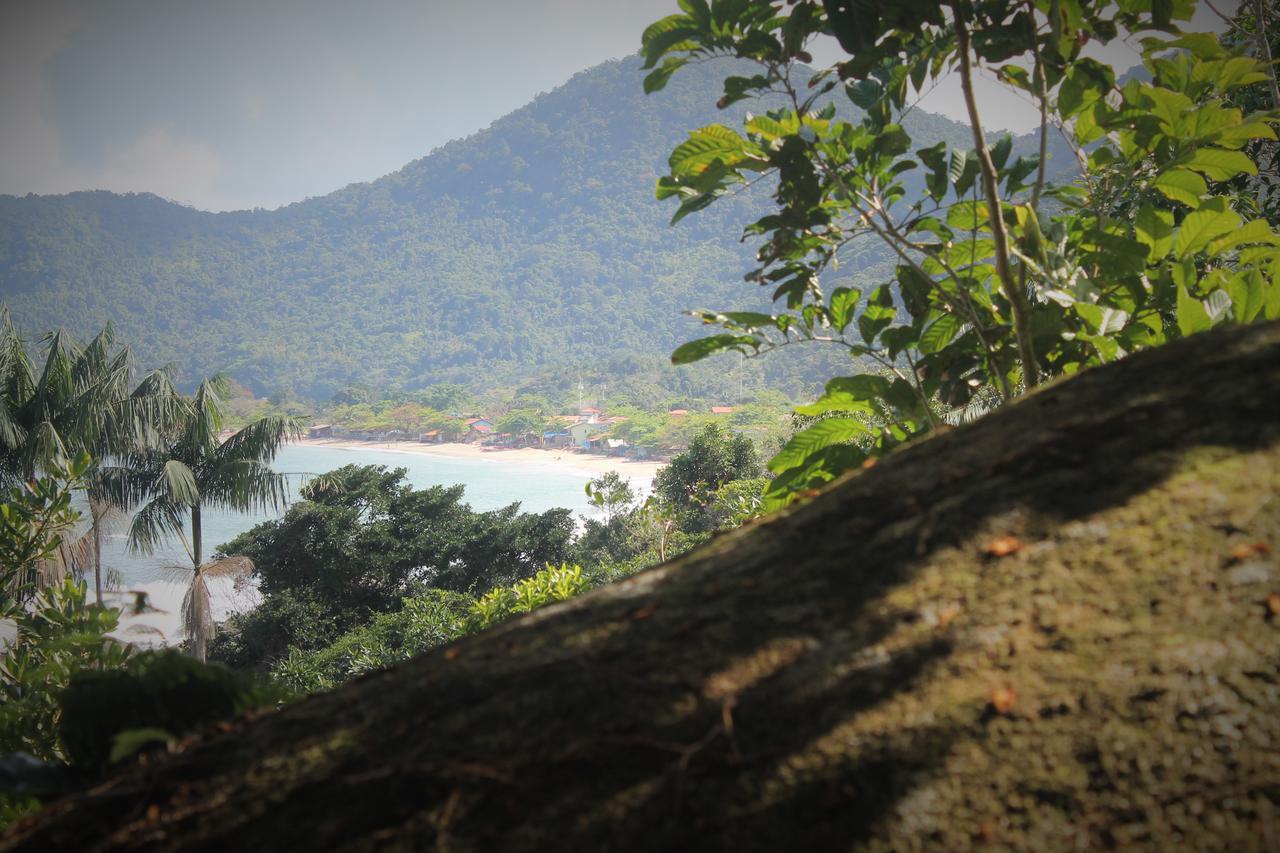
(822, 434)
(1192, 317)
(130, 741)
(1218, 164)
(842, 304)
(968, 215)
(1154, 229)
(1247, 295)
(753, 319)
(1202, 226)
(1001, 150)
(878, 314)
(707, 145)
(940, 332)
(892, 140)
(1182, 186)
(692, 351)
(1254, 231)
(935, 159)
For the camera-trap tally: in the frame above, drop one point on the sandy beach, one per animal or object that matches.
(587, 463)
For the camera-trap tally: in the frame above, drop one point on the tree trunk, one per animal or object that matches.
(95, 513)
(1054, 628)
(196, 556)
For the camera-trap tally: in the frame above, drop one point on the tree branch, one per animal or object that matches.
(1017, 296)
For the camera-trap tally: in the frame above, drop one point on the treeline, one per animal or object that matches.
(530, 252)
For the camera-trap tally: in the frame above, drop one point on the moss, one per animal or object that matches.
(855, 672)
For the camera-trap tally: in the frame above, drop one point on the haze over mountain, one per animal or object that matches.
(533, 246)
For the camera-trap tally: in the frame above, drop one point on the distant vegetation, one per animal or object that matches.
(532, 252)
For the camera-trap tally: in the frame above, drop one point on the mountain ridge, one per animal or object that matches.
(533, 246)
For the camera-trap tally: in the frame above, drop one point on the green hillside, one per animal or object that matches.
(533, 248)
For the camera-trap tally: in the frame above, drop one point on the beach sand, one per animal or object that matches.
(588, 463)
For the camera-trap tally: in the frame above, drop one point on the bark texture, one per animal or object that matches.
(858, 672)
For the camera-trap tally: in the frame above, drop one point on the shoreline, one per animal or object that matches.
(588, 464)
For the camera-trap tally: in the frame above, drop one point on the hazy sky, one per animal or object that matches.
(227, 104)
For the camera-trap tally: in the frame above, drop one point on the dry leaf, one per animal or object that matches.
(947, 615)
(1273, 604)
(1244, 550)
(1003, 546)
(869, 462)
(1003, 699)
(452, 654)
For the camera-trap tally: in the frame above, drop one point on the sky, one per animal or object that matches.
(231, 105)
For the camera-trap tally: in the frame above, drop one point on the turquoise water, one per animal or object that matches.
(490, 483)
(164, 575)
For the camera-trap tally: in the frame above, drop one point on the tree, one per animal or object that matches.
(993, 288)
(610, 494)
(56, 634)
(361, 541)
(169, 487)
(78, 402)
(715, 457)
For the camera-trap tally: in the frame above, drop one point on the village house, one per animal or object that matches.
(581, 432)
(479, 428)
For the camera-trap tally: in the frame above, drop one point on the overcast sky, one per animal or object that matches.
(226, 105)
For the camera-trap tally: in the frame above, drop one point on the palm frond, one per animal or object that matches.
(260, 440)
(245, 486)
(197, 616)
(204, 425)
(155, 523)
(44, 448)
(228, 567)
(179, 483)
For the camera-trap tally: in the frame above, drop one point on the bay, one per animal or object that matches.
(165, 575)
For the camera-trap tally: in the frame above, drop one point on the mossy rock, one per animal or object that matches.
(1053, 629)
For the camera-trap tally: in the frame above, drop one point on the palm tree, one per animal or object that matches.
(170, 486)
(79, 401)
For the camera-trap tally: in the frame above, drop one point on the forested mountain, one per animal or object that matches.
(534, 246)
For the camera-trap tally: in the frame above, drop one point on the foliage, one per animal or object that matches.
(552, 584)
(1151, 242)
(423, 622)
(58, 635)
(715, 457)
(33, 521)
(363, 540)
(610, 494)
(163, 695)
(531, 250)
(192, 469)
(77, 403)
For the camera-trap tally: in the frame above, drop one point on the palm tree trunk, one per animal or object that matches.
(95, 512)
(195, 537)
(197, 604)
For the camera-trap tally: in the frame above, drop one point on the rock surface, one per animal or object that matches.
(1050, 630)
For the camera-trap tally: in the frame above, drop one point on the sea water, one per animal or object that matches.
(489, 484)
